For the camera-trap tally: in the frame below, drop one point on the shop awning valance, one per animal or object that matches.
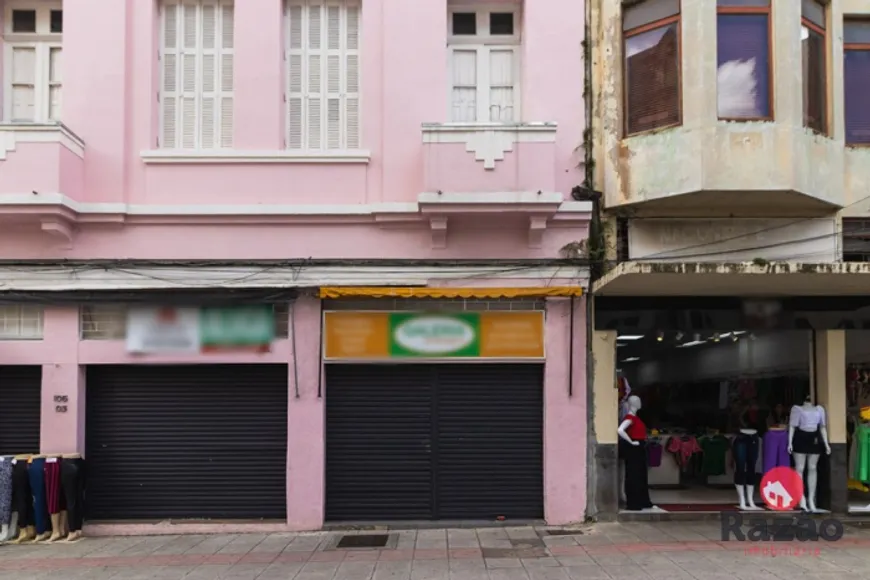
(760, 279)
(418, 292)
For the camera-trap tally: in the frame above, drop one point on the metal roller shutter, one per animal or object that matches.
(193, 441)
(20, 409)
(414, 442)
(490, 441)
(378, 442)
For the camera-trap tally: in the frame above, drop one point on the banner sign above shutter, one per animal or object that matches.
(380, 336)
(169, 329)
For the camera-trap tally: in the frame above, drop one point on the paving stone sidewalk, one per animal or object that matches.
(658, 551)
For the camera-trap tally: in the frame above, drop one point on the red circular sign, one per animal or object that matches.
(782, 488)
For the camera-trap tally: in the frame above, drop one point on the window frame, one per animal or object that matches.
(754, 11)
(483, 44)
(812, 26)
(43, 42)
(626, 34)
(853, 47)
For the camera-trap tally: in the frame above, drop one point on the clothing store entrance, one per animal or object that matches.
(186, 442)
(715, 405)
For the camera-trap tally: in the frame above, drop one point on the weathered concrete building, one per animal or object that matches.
(730, 146)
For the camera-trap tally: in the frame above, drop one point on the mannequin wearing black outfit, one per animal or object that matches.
(72, 480)
(22, 499)
(632, 441)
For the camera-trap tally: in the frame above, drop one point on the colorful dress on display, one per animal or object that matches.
(861, 465)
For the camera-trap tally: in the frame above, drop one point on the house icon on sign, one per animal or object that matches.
(776, 495)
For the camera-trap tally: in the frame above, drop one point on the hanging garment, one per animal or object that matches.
(636, 477)
(683, 449)
(5, 490)
(72, 476)
(776, 450)
(36, 473)
(744, 450)
(862, 465)
(654, 454)
(22, 498)
(53, 495)
(713, 460)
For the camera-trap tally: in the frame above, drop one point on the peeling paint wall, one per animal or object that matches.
(727, 160)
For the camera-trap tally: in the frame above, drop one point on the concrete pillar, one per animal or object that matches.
(830, 382)
(604, 503)
(306, 421)
(62, 421)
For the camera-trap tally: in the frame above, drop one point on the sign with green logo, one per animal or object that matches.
(384, 336)
(434, 335)
(240, 326)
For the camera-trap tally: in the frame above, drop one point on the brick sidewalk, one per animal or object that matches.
(661, 551)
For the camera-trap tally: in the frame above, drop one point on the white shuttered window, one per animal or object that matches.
(483, 60)
(196, 95)
(323, 74)
(32, 45)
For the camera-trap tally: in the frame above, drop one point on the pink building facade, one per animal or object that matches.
(377, 157)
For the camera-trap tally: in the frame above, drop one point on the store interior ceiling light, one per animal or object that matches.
(679, 336)
(692, 343)
(631, 359)
(629, 337)
(660, 337)
(619, 345)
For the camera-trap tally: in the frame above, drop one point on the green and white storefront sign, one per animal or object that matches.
(169, 329)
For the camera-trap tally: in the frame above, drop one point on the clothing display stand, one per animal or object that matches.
(72, 479)
(744, 450)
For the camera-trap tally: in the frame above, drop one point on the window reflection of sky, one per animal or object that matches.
(644, 41)
(742, 75)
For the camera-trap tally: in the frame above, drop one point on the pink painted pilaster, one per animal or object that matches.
(564, 416)
(62, 432)
(305, 415)
(258, 73)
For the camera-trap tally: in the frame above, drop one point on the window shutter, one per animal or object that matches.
(351, 75)
(169, 92)
(464, 71)
(188, 75)
(208, 118)
(23, 83)
(502, 72)
(226, 75)
(295, 89)
(54, 83)
(315, 77)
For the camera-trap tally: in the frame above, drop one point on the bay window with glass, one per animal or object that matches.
(814, 43)
(651, 66)
(856, 81)
(743, 60)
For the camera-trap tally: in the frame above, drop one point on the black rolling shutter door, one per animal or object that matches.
(378, 442)
(195, 441)
(20, 409)
(490, 441)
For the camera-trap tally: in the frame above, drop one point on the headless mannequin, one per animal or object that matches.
(71, 535)
(808, 461)
(58, 520)
(26, 529)
(636, 487)
(746, 493)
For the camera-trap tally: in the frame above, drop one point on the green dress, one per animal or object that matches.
(862, 463)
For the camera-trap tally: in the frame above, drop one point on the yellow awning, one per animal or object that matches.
(422, 292)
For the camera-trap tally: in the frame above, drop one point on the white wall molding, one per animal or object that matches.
(234, 156)
(13, 133)
(489, 141)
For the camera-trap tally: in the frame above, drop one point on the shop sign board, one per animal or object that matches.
(377, 336)
(168, 329)
(732, 240)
